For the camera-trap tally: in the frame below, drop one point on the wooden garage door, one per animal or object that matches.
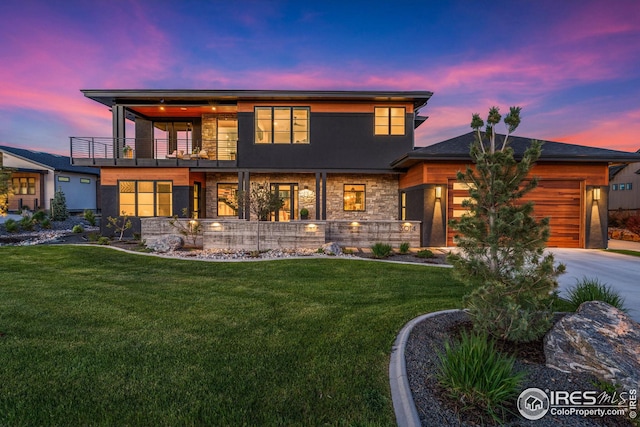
(559, 200)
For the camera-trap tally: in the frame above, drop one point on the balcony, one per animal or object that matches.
(106, 151)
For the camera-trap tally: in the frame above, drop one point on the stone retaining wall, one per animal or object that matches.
(240, 234)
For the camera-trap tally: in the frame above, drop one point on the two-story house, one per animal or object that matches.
(347, 157)
(328, 152)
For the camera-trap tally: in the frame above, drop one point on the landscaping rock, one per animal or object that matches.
(599, 339)
(165, 244)
(332, 249)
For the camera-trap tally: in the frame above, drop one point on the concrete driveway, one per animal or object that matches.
(621, 272)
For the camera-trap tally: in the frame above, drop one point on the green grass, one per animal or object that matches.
(92, 336)
(624, 252)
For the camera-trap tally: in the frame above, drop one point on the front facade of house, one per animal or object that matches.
(326, 152)
(36, 176)
(347, 158)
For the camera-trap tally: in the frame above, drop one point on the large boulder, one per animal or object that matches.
(332, 249)
(166, 243)
(599, 339)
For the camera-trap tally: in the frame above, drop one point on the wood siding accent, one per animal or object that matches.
(326, 107)
(559, 200)
(442, 172)
(111, 176)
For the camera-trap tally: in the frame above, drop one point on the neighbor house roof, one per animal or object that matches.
(48, 160)
(457, 148)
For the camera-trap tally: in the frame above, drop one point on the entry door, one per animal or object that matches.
(289, 194)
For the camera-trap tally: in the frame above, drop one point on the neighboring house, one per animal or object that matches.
(331, 152)
(572, 189)
(38, 175)
(624, 187)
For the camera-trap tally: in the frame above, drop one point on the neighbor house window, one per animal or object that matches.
(24, 186)
(281, 125)
(227, 200)
(614, 187)
(85, 181)
(146, 198)
(354, 197)
(64, 179)
(389, 120)
(629, 186)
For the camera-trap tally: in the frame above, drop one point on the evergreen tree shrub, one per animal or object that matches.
(59, 210)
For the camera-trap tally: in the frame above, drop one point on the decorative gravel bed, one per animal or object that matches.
(58, 231)
(426, 341)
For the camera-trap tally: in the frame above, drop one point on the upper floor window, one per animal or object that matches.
(282, 125)
(145, 198)
(389, 121)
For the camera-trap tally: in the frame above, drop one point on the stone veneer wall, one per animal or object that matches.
(381, 193)
(381, 197)
(241, 234)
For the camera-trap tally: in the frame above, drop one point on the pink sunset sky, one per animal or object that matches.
(574, 66)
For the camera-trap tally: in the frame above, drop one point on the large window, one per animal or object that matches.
(227, 199)
(282, 125)
(24, 186)
(354, 197)
(389, 120)
(146, 198)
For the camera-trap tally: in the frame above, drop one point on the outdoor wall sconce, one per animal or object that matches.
(216, 226)
(438, 192)
(406, 227)
(354, 226)
(311, 228)
(596, 194)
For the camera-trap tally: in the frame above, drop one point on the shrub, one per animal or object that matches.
(59, 210)
(404, 247)
(11, 226)
(45, 223)
(425, 253)
(26, 222)
(633, 224)
(103, 240)
(304, 213)
(39, 216)
(381, 250)
(589, 289)
(476, 375)
(90, 217)
(93, 237)
(77, 229)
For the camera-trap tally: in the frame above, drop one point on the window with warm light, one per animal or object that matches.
(227, 200)
(354, 197)
(24, 186)
(389, 121)
(145, 198)
(281, 125)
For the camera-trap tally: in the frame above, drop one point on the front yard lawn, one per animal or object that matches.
(92, 336)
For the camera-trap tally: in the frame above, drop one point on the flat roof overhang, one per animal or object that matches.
(110, 97)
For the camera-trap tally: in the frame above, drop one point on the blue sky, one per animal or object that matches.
(574, 66)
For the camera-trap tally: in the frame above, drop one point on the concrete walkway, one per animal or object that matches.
(621, 272)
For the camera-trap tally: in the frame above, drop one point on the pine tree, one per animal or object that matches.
(59, 210)
(501, 243)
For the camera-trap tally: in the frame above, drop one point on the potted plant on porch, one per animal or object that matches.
(304, 213)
